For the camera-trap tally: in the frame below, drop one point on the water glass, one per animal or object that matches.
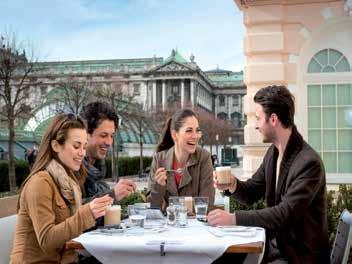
(201, 207)
(136, 215)
(175, 200)
(181, 216)
(171, 215)
(137, 220)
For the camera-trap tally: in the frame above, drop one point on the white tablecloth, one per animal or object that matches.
(193, 244)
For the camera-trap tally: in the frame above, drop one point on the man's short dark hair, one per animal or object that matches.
(277, 99)
(95, 113)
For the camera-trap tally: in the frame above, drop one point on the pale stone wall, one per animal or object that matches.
(279, 41)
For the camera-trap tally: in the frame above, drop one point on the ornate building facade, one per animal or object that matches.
(154, 83)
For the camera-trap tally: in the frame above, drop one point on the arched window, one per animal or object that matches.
(222, 116)
(328, 60)
(236, 119)
(330, 112)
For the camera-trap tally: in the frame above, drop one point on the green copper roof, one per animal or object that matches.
(223, 78)
(100, 66)
(176, 56)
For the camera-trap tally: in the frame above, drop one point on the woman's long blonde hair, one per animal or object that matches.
(57, 130)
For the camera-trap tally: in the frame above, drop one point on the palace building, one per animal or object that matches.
(154, 83)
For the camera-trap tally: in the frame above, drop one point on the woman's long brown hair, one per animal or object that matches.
(173, 123)
(57, 130)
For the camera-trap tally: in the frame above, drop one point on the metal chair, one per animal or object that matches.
(342, 243)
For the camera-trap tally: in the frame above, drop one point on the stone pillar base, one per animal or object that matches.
(252, 158)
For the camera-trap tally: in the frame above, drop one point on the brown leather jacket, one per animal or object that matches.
(44, 223)
(196, 181)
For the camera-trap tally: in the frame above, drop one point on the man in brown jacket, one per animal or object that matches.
(292, 181)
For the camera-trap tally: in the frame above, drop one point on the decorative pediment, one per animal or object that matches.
(173, 67)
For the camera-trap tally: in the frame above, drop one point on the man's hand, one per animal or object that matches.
(124, 188)
(219, 217)
(223, 187)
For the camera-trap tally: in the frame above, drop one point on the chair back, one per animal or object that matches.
(7, 227)
(341, 247)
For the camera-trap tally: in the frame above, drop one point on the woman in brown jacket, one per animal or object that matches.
(50, 211)
(180, 167)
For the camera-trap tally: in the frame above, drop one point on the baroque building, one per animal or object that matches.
(155, 83)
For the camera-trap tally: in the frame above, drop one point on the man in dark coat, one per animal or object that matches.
(102, 122)
(292, 181)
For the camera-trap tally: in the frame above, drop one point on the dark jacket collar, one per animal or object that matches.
(293, 147)
(95, 171)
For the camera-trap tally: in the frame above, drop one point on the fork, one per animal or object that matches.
(179, 170)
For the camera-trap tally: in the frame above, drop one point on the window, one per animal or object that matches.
(235, 101)
(175, 89)
(43, 89)
(222, 116)
(136, 89)
(328, 60)
(330, 125)
(236, 119)
(222, 100)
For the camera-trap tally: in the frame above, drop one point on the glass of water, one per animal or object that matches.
(136, 215)
(201, 207)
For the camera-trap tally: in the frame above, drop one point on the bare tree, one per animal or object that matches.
(139, 113)
(120, 100)
(16, 68)
(210, 125)
(72, 94)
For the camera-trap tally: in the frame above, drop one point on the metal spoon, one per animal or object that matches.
(179, 170)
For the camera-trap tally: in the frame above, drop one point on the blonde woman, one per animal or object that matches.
(50, 211)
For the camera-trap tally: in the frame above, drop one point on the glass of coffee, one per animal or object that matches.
(223, 175)
(113, 215)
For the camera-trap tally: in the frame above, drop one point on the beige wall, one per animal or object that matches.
(279, 41)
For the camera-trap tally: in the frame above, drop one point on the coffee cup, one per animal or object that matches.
(223, 175)
(113, 215)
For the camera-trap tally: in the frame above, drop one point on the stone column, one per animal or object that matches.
(163, 95)
(182, 93)
(192, 93)
(229, 105)
(259, 41)
(154, 94)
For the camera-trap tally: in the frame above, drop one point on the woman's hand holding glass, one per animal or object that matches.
(161, 176)
(232, 186)
(99, 206)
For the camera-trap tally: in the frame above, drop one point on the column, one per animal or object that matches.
(259, 73)
(147, 98)
(229, 105)
(163, 95)
(192, 93)
(182, 92)
(154, 94)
